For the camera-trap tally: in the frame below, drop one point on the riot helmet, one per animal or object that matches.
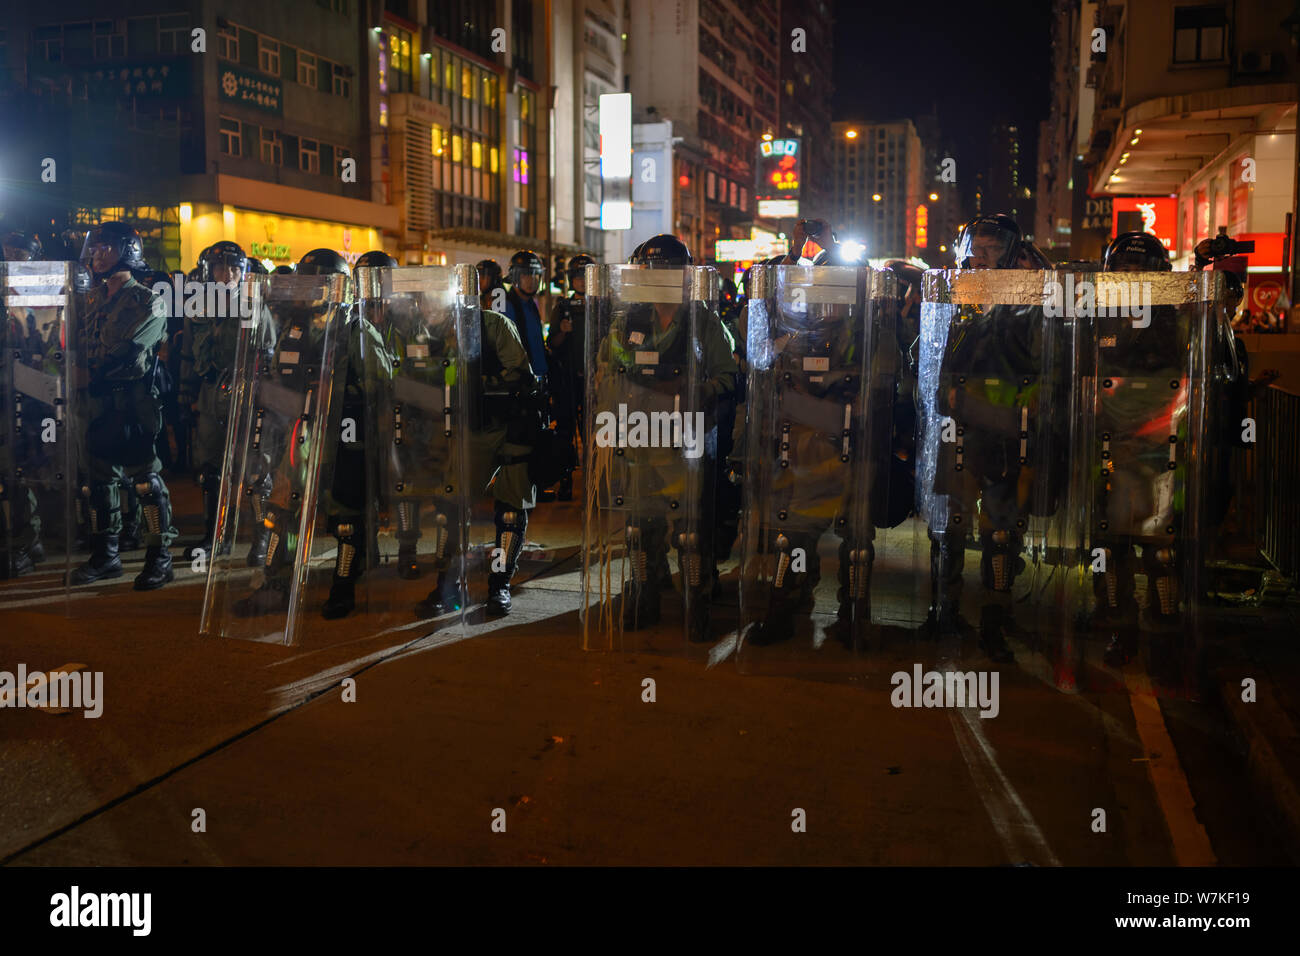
(321, 262)
(282, 271)
(1031, 257)
(988, 242)
(662, 252)
(1136, 252)
(524, 263)
(255, 267)
(376, 259)
(577, 267)
(21, 247)
(223, 254)
(112, 247)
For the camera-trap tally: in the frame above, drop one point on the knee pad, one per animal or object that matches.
(999, 562)
(855, 569)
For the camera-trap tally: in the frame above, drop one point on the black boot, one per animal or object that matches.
(259, 491)
(157, 569)
(440, 600)
(408, 565)
(992, 638)
(347, 568)
(511, 526)
(564, 492)
(342, 599)
(640, 605)
(498, 602)
(271, 598)
(208, 483)
(18, 564)
(104, 562)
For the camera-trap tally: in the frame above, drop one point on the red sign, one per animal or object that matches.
(1265, 293)
(1268, 249)
(1159, 216)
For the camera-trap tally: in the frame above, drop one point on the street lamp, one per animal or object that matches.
(850, 134)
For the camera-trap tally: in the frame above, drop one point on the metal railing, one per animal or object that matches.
(1272, 473)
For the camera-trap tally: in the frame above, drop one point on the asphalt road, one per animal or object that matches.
(506, 743)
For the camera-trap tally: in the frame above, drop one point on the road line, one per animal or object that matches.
(1023, 841)
(1191, 842)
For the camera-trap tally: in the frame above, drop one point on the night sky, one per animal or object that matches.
(976, 62)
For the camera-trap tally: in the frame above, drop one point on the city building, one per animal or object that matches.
(238, 120)
(1194, 127)
(711, 70)
(805, 96)
(1005, 190)
(878, 180)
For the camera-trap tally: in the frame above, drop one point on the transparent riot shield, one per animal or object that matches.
(656, 359)
(38, 431)
(816, 464)
(993, 442)
(291, 332)
(392, 528)
(1147, 380)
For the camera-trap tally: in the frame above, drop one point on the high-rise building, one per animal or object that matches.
(878, 179)
(236, 120)
(805, 96)
(711, 70)
(1006, 189)
(461, 126)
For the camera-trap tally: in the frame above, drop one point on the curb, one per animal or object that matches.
(1263, 729)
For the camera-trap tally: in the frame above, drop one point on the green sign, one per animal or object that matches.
(250, 89)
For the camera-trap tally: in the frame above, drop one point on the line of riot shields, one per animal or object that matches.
(1019, 468)
(1021, 464)
(39, 429)
(347, 460)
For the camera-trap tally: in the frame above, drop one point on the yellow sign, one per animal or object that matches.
(285, 240)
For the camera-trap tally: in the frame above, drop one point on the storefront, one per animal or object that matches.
(274, 239)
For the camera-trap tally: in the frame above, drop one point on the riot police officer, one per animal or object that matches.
(277, 480)
(21, 340)
(122, 331)
(364, 386)
(1135, 364)
(991, 389)
(510, 417)
(564, 349)
(644, 357)
(526, 273)
(489, 281)
(207, 366)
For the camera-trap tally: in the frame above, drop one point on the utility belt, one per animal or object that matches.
(121, 391)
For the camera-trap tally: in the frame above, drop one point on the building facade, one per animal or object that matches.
(878, 180)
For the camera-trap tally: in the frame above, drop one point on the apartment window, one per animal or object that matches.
(1200, 34)
(340, 84)
(232, 143)
(272, 147)
(401, 77)
(307, 69)
(228, 43)
(268, 55)
(309, 155)
(49, 41)
(173, 33)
